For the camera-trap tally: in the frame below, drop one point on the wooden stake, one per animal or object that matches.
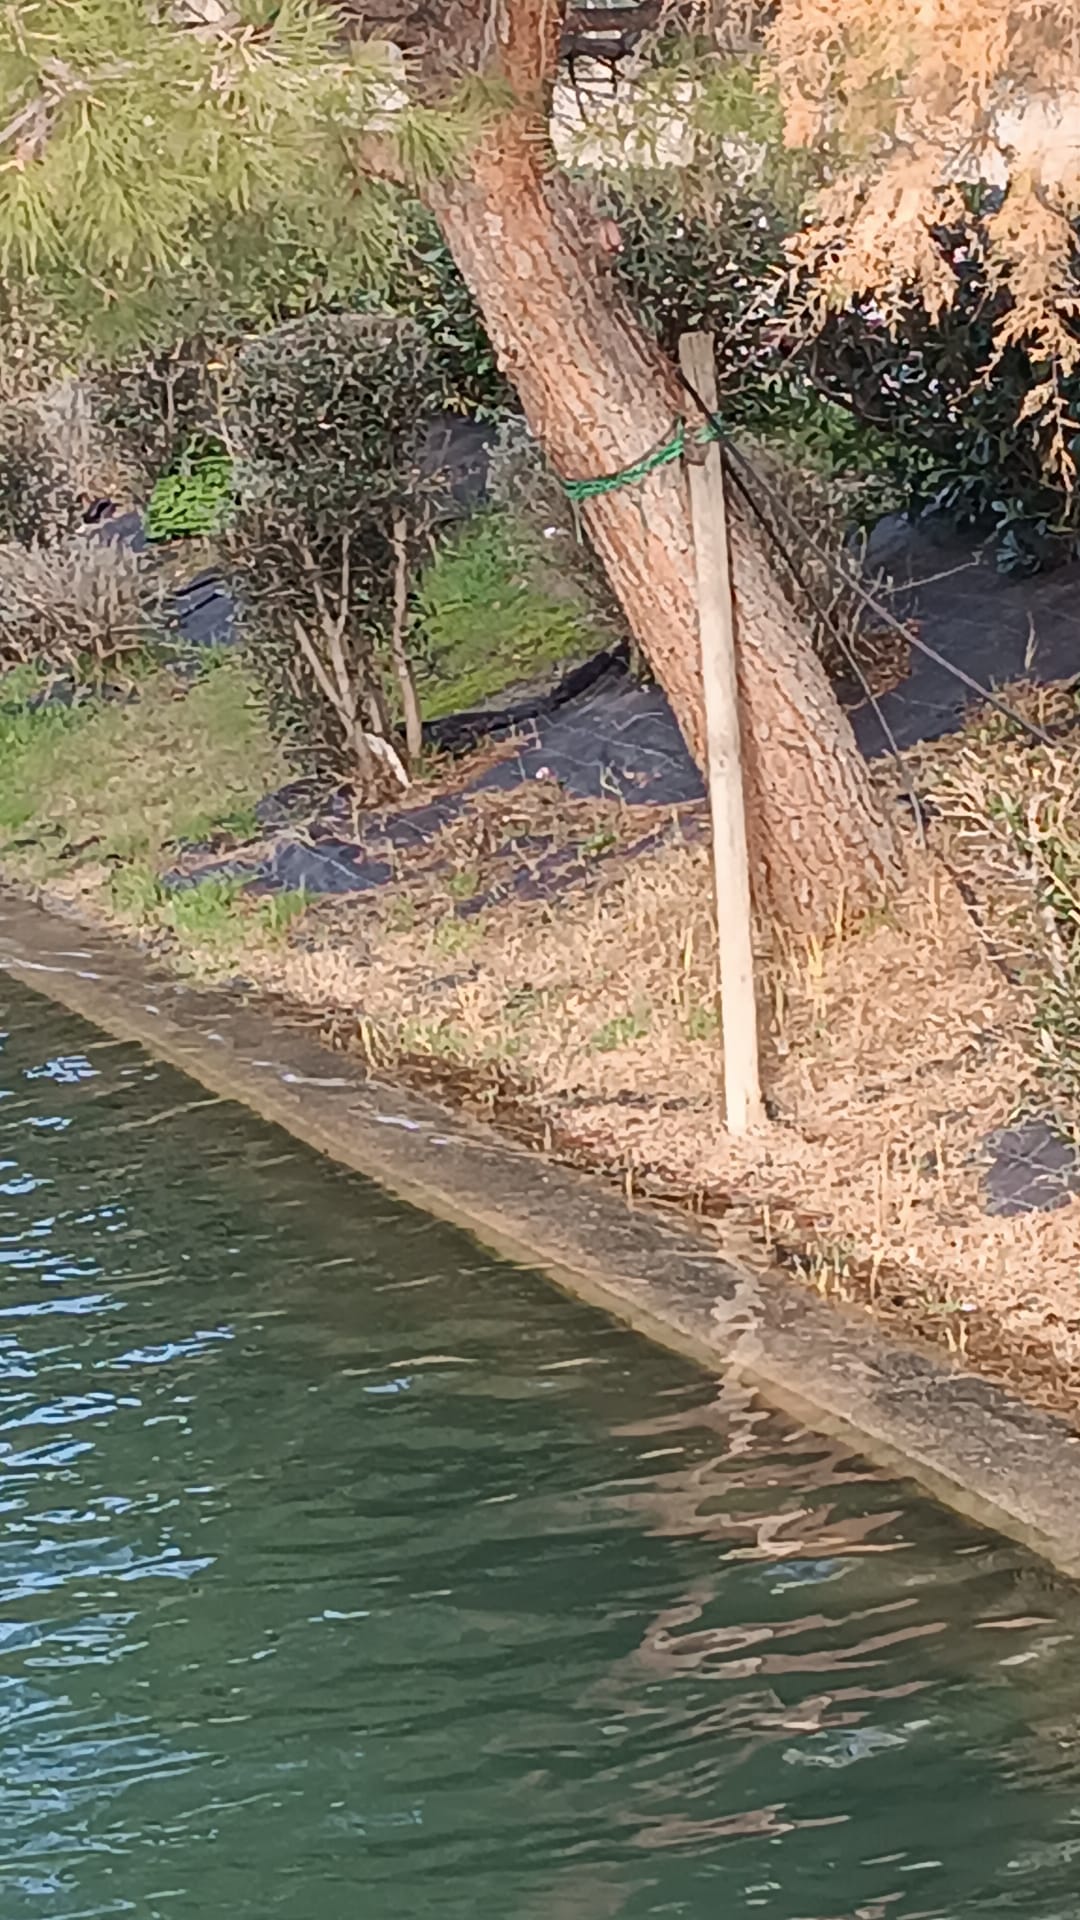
(734, 923)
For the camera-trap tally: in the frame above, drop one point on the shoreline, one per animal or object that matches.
(970, 1443)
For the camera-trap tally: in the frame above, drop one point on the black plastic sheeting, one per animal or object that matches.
(1032, 1169)
(455, 452)
(601, 735)
(996, 627)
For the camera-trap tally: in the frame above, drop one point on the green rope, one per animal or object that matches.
(580, 490)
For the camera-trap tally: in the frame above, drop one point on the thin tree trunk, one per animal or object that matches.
(410, 703)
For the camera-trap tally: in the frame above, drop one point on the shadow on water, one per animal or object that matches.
(347, 1570)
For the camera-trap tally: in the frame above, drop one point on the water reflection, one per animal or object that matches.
(345, 1570)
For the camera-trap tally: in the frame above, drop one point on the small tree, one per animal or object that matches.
(322, 414)
(163, 161)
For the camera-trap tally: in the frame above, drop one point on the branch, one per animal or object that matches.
(414, 733)
(310, 653)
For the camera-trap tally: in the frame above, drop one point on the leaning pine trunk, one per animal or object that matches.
(598, 394)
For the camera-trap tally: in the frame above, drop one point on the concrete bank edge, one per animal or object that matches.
(971, 1444)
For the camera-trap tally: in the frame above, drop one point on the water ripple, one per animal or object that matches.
(346, 1570)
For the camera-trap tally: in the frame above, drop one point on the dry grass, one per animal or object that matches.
(889, 1056)
(588, 1024)
(1006, 813)
(77, 606)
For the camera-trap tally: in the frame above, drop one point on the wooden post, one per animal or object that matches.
(734, 923)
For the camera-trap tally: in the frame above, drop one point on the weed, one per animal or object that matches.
(400, 915)
(622, 1031)
(599, 843)
(277, 912)
(453, 936)
(205, 915)
(135, 894)
(702, 1022)
(463, 884)
(829, 1267)
(30, 737)
(523, 1005)
(237, 825)
(441, 1039)
(1015, 810)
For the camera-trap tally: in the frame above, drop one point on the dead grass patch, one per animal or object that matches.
(889, 1055)
(1006, 821)
(586, 1023)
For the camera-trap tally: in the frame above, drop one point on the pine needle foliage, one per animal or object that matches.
(161, 170)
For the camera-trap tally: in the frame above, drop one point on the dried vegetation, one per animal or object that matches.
(588, 1024)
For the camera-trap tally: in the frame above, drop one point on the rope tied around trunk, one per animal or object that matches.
(578, 491)
(746, 479)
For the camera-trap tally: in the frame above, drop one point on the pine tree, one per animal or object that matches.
(162, 158)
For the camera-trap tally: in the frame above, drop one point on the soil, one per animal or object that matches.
(531, 936)
(546, 962)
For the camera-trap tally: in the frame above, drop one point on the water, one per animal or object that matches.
(347, 1573)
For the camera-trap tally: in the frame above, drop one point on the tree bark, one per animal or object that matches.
(598, 394)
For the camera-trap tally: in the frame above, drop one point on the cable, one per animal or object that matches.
(870, 600)
(891, 742)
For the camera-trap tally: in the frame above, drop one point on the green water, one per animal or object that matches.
(347, 1573)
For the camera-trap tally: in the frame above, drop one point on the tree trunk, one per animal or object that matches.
(598, 394)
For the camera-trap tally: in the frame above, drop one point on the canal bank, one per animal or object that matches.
(969, 1442)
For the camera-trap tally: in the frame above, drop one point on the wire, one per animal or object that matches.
(914, 799)
(872, 601)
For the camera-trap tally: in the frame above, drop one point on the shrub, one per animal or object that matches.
(461, 372)
(193, 499)
(78, 608)
(908, 415)
(37, 496)
(324, 413)
(157, 406)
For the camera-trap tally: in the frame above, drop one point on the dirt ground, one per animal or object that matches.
(582, 1017)
(587, 1023)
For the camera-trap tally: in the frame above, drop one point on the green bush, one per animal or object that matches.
(910, 415)
(324, 414)
(194, 498)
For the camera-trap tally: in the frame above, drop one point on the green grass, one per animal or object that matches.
(126, 781)
(119, 786)
(206, 915)
(622, 1031)
(215, 917)
(492, 608)
(135, 894)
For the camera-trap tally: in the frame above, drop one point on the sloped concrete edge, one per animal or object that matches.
(973, 1446)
